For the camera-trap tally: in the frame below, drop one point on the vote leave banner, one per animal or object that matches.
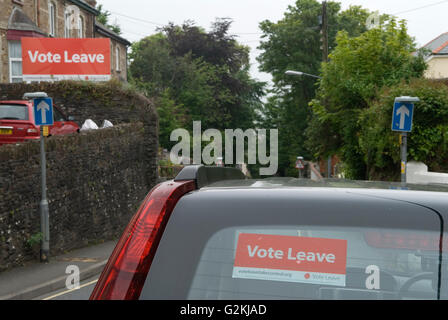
(46, 59)
(291, 259)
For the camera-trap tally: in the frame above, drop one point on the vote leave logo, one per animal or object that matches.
(85, 58)
(292, 259)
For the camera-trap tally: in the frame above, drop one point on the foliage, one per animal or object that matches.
(358, 68)
(428, 141)
(103, 18)
(294, 43)
(196, 75)
(35, 239)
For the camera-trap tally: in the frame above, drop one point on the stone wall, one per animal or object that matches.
(96, 179)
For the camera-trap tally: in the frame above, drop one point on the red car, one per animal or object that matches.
(17, 122)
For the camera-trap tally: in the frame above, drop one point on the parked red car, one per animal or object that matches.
(17, 122)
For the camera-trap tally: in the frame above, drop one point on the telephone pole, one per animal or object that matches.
(324, 32)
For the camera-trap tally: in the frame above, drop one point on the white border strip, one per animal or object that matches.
(58, 77)
(289, 276)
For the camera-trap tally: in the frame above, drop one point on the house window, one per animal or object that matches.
(15, 61)
(80, 27)
(52, 18)
(67, 24)
(117, 58)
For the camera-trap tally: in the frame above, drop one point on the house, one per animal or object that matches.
(57, 19)
(437, 57)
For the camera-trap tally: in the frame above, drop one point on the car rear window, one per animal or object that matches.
(315, 263)
(13, 112)
(279, 244)
(305, 262)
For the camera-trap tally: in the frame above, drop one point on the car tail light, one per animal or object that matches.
(32, 132)
(408, 240)
(125, 273)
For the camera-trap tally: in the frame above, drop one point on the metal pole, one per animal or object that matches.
(404, 157)
(324, 32)
(329, 167)
(44, 212)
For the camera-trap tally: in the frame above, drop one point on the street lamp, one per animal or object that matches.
(300, 73)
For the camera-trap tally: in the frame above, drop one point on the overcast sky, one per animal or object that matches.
(139, 18)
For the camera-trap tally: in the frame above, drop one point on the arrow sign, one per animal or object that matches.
(43, 107)
(43, 111)
(402, 117)
(402, 112)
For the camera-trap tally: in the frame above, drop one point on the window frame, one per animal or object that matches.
(117, 58)
(52, 18)
(67, 24)
(14, 59)
(80, 26)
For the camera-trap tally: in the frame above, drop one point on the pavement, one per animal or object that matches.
(36, 279)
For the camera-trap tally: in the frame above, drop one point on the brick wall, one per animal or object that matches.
(96, 179)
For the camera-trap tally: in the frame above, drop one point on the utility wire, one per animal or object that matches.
(419, 8)
(259, 33)
(160, 24)
(137, 19)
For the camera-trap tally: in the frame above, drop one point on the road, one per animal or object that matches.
(83, 293)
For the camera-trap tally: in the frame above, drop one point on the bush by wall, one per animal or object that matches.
(428, 141)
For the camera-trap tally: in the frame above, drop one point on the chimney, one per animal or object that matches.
(92, 3)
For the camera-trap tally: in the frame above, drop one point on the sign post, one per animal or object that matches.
(402, 117)
(43, 116)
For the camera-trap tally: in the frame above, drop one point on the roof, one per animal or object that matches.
(438, 46)
(279, 190)
(285, 182)
(102, 29)
(20, 21)
(86, 6)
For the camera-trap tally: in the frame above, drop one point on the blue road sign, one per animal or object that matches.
(402, 117)
(43, 111)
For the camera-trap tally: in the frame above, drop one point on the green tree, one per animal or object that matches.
(294, 43)
(204, 74)
(358, 68)
(428, 141)
(103, 18)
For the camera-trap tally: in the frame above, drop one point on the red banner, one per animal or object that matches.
(87, 59)
(288, 258)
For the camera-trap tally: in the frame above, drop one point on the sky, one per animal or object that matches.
(140, 18)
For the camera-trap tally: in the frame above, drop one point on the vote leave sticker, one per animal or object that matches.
(291, 259)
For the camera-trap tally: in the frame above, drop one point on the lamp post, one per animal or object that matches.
(299, 74)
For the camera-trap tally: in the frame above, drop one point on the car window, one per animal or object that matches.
(13, 112)
(314, 262)
(58, 116)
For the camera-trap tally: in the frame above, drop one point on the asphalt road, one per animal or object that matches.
(83, 293)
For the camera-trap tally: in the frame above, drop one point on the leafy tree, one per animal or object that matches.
(294, 43)
(152, 68)
(358, 68)
(103, 18)
(205, 75)
(428, 141)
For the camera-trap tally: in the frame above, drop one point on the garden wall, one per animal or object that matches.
(96, 179)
